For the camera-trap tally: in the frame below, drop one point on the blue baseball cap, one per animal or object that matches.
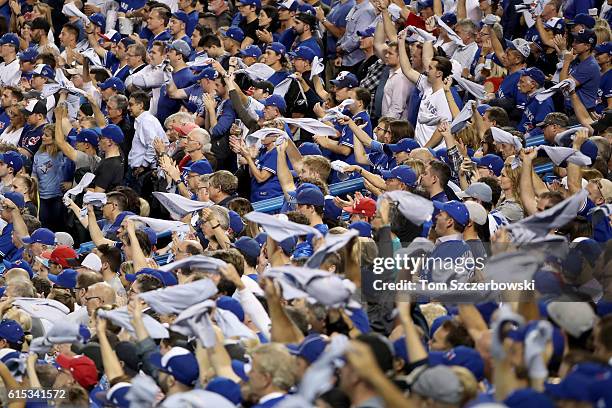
(491, 162)
(235, 222)
(112, 36)
(604, 48)
(421, 4)
(556, 24)
(278, 48)
(261, 239)
(583, 19)
(180, 363)
(113, 132)
(345, 79)
(232, 305)
(307, 9)
(88, 136)
(256, 3)
(200, 167)
(460, 356)
(167, 278)
(400, 350)
(482, 109)
(20, 263)
(12, 159)
(331, 210)
(207, 73)
(288, 245)
(364, 228)
(403, 173)
(40, 236)
(368, 32)
(450, 19)
(438, 321)
(586, 37)
(404, 145)
(67, 279)
(276, 100)
(10, 38)
(234, 33)
(247, 247)
(181, 15)
(181, 47)
(534, 73)
(303, 52)
(575, 386)
(30, 55)
(291, 5)
(44, 70)
(98, 19)
(16, 198)
(113, 82)
(151, 235)
(310, 196)
(310, 149)
(241, 369)
(251, 51)
(226, 388)
(311, 348)
(11, 331)
(528, 398)
(455, 209)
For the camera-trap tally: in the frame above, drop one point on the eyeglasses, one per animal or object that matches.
(88, 298)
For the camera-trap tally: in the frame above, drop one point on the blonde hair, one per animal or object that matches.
(469, 136)
(515, 176)
(603, 34)
(468, 384)
(416, 164)
(50, 149)
(275, 360)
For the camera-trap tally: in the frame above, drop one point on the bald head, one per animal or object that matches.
(98, 295)
(16, 274)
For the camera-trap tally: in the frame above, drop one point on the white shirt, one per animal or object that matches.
(465, 55)
(395, 96)
(10, 73)
(146, 129)
(432, 104)
(11, 137)
(150, 77)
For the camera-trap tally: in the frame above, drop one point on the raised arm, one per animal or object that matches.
(380, 45)
(94, 229)
(528, 196)
(138, 257)
(283, 329)
(461, 10)
(112, 365)
(407, 69)
(282, 170)
(61, 110)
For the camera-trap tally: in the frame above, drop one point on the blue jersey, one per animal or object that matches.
(31, 138)
(337, 16)
(194, 102)
(573, 7)
(5, 121)
(588, 75)
(287, 37)
(310, 43)
(346, 139)
(111, 61)
(604, 92)
(131, 5)
(6, 241)
(271, 187)
(509, 89)
(192, 22)
(278, 77)
(49, 172)
(535, 112)
(166, 106)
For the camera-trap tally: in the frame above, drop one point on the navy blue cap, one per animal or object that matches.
(235, 222)
(232, 305)
(400, 349)
(11, 331)
(491, 162)
(248, 247)
(364, 228)
(251, 51)
(310, 149)
(207, 73)
(67, 278)
(345, 79)
(311, 348)
(20, 263)
(234, 33)
(438, 321)
(310, 196)
(44, 70)
(403, 173)
(460, 356)
(404, 145)
(278, 48)
(307, 9)
(226, 388)
(179, 362)
(288, 245)
(261, 239)
(455, 209)
(200, 167)
(276, 100)
(112, 36)
(450, 19)
(583, 19)
(291, 5)
(368, 32)
(256, 3)
(303, 52)
(40, 236)
(113, 82)
(98, 19)
(528, 398)
(12, 159)
(113, 132)
(16, 198)
(575, 387)
(151, 235)
(181, 15)
(604, 48)
(10, 38)
(421, 4)
(167, 278)
(30, 55)
(556, 24)
(88, 136)
(534, 73)
(483, 108)
(586, 37)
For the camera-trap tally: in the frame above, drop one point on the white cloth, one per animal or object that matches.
(175, 299)
(501, 136)
(160, 226)
(314, 126)
(279, 229)
(451, 34)
(147, 128)
(559, 155)
(86, 180)
(200, 262)
(122, 318)
(47, 309)
(95, 199)
(415, 208)
(177, 205)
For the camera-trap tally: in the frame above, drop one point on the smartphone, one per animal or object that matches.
(550, 179)
(238, 123)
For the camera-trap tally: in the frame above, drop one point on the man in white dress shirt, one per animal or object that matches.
(9, 70)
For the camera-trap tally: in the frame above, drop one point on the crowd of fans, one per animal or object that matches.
(223, 203)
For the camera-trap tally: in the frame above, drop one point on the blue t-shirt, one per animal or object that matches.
(147, 34)
(346, 139)
(192, 22)
(310, 43)
(509, 89)
(194, 101)
(5, 121)
(604, 92)
(278, 77)
(271, 187)
(48, 171)
(337, 16)
(588, 75)
(535, 112)
(111, 61)
(380, 157)
(6, 241)
(287, 37)
(573, 7)
(166, 106)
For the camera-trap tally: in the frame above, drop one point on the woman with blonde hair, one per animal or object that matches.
(510, 205)
(12, 133)
(47, 169)
(28, 187)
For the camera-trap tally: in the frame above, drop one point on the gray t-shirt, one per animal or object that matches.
(511, 210)
(85, 161)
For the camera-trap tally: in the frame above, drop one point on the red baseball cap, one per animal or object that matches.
(365, 206)
(63, 255)
(185, 128)
(82, 368)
